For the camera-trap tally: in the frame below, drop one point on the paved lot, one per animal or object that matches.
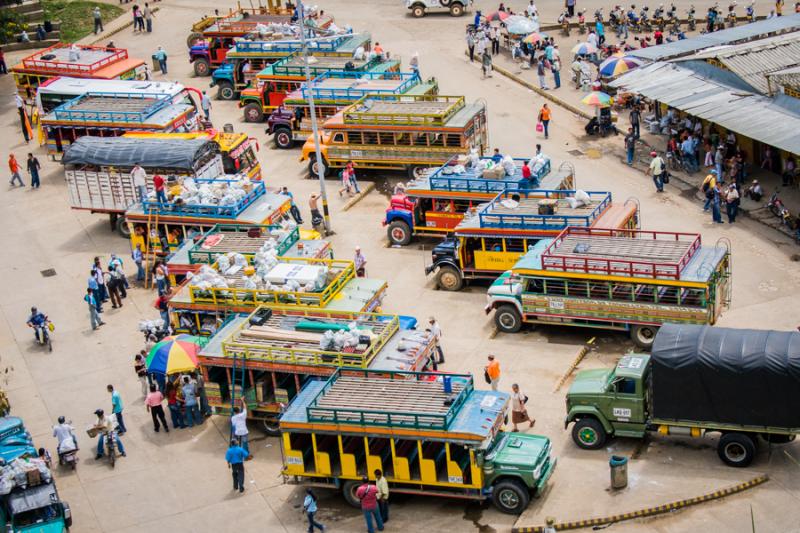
(179, 481)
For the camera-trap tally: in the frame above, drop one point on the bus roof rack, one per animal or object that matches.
(112, 107)
(222, 211)
(93, 58)
(521, 210)
(293, 66)
(403, 110)
(243, 239)
(473, 181)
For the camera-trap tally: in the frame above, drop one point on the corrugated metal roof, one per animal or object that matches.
(743, 112)
(788, 76)
(754, 60)
(774, 26)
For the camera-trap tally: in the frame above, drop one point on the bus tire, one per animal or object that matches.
(253, 112)
(589, 434)
(456, 10)
(644, 336)
(507, 318)
(399, 233)
(349, 492)
(736, 449)
(510, 496)
(449, 278)
(312, 167)
(192, 39)
(122, 227)
(202, 67)
(225, 91)
(415, 171)
(271, 427)
(418, 11)
(283, 138)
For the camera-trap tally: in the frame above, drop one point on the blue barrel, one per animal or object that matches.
(447, 381)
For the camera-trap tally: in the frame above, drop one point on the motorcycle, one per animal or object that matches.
(44, 334)
(751, 12)
(633, 20)
(111, 447)
(601, 125)
(690, 20)
(672, 18)
(731, 18)
(615, 19)
(644, 20)
(658, 17)
(777, 208)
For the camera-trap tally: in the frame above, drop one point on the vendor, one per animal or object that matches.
(497, 157)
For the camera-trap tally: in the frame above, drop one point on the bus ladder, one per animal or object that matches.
(148, 249)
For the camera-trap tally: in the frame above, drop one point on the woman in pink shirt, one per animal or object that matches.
(153, 403)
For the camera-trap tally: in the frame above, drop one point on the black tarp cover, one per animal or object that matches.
(182, 154)
(735, 376)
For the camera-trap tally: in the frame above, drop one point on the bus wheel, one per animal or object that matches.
(253, 112)
(192, 39)
(510, 497)
(456, 10)
(449, 279)
(399, 233)
(271, 427)
(122, 227)
(507, 319)
(643, 336)
(312, 167)
(418, 11)
(416, 171)
(589, 434)
(349, 492)
(201, 67)
(283, 138)
(225, 91)
(736, 449)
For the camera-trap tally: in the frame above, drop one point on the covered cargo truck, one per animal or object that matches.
(740, 383)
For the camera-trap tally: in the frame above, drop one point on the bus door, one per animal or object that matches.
(443, 215)
(467, 246)
(421, 208)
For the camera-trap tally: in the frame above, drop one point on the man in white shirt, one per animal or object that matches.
(531, 9)
(436, 331)
(139, 177)
(205, 103)
(239, 423)
(65, 436)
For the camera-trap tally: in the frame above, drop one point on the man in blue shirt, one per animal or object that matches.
(497, 157)
(36, 321)
(190, 402)
(235, 457)
(116, 409)
(92, 284)
(687, 149)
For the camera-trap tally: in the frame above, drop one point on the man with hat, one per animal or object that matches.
(105, 426)
(657, 170)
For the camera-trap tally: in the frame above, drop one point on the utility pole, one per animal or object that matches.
(326, 217)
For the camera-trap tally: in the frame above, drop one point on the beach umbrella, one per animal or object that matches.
(174, 354)
(583, 49)
(497, 16)
(597, 99)
(517, 25)
(618, 64)
(534, 37)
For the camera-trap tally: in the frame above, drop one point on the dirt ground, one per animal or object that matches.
(179, 481)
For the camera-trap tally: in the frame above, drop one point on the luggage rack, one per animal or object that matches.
(294, 66)
(526, 215)
(99, 57)
(321, 44)
(621, 252)
(255, 343)
(217, 211)
(403, 110)
(236, 238)
(472, 181)
(393, 399)
(112, 107)
(350, 85)
(244, 22)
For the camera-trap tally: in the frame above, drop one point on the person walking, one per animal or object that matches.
(316, 216)
(486, 63)
(732, 202)
(190, 402)
(540, 70)
(471, 45)
(239, 424)
(205, 103)
(161, 57)
(630, 146)
(436, 332)
(368, 495)
(519, 413)
(555, 67)
(114, 284)
(154, 402)
(140, 367)
(544, 118)
(148, 17)
(174, 406)
(635, 117)
(707, 188)
(13, 167)
(23, 117)
(716, 199)
(492, 372)
(235, 457)
(383, 495)
(100, 277)
(688, 153)
(657, 170)
(94, 316)
(116, 409)
(351, 175)
(310, 508)
(138, 258)
(570, 8)
(33, 170)
(360, 263)
(98, 20)
(91, 284)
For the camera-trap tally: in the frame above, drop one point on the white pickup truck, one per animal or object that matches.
(419, 8)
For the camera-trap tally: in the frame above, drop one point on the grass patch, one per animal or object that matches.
(76, 16)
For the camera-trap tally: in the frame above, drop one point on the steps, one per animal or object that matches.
(32, 13)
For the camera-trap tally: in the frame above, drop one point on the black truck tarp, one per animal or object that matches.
(179, 154)
(737, 376)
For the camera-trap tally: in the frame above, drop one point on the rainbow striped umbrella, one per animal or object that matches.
(618, 64)
(534, 38)
(173, 355)
(597, 99)
(583, 49)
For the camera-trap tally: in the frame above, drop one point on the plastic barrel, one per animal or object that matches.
(619, 472)
(447, 382)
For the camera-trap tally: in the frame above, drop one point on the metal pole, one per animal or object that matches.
(326, 217)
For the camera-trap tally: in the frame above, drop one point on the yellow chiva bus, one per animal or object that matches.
(625, 280)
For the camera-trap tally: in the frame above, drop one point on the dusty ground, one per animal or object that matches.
(179, 481)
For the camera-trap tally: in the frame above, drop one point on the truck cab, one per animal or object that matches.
(256, 101)
(609, 402)
(35, 510)
(280, 124)
(208, 52)
(445, 259)
(309, 153)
